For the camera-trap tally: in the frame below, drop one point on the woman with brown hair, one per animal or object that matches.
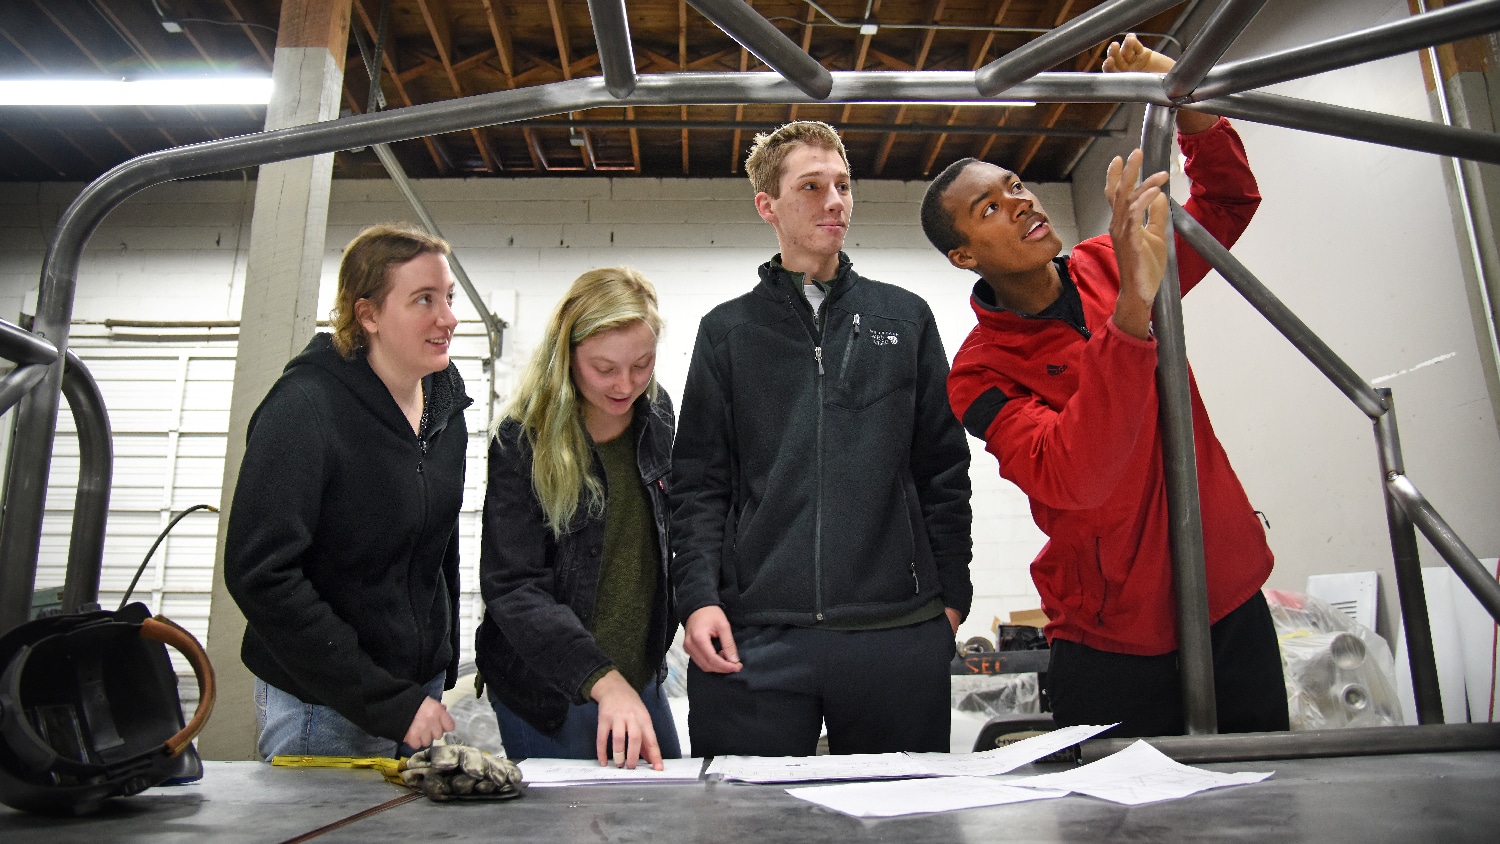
(342, 546)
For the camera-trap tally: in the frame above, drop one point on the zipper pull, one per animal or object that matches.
(856, 326)
(818, 353)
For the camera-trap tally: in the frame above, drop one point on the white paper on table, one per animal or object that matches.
(1138, 774)
(914, 797)
(851, 766)
(545, 773)
(1002, 760)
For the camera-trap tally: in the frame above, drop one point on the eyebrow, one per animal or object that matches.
(837, 174)
(1007, 179)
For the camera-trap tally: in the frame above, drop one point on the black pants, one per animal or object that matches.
(1144, 693)
(879, 691)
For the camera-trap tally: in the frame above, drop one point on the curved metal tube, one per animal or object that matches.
(1378, 42)
(1453, 550)
(19, 345)
(18, 382)
(1067, 40)
(96, 462)
(768, 44)
(20, 526)
(1278, 314)
(612, 36)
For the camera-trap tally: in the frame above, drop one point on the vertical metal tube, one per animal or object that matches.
(1409, 589)
(96, 458)
(1175, 409)
(612, 36)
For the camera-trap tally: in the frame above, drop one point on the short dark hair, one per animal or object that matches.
(937, 223)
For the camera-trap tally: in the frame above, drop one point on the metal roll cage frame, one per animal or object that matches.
(48, 370)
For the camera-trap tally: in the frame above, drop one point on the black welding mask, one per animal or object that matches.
(89, 709)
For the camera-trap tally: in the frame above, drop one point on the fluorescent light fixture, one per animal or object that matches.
(1004, 103)
(202, 90)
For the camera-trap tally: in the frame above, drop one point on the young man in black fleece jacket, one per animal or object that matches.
(820, 491)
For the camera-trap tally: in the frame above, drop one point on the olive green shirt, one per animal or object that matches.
(628, 571)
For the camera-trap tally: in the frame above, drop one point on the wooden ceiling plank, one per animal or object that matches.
(388, 63)
(635, 139)
(440, 28)
(500, 32)
(253, 33)
(42, 154)
(807, 34)
(861, 49)
(560, 32)
(935, 16)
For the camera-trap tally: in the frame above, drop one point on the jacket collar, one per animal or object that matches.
(444, 390)
(782, 284)
(1068, 306)
(653, 451)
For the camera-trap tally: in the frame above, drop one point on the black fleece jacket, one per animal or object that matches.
(818, 473)
(533, 646)
(342, 547)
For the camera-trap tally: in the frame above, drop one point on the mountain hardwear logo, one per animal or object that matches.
(884, 338)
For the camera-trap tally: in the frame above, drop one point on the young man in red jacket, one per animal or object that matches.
(1058, 379)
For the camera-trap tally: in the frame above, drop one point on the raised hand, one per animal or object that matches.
(1140, 242)
(1131, 56)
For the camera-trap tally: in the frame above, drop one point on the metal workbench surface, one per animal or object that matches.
(1447, 797)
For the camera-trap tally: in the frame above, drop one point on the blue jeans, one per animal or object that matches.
(577, 737)
(287, 726)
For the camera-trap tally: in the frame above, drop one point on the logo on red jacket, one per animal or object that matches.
(1056, 368)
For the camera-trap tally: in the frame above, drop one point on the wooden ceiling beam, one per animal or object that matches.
(682, 65)
(739, 110)
(1083, 63)
(388, 64)
(500, 32)
(807, 34)
(42, 154)
(861, 49)
(252, 30)
(924, 49)
(435, 15)
(560, 32)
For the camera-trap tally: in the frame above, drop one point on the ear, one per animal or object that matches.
(365, 312)
(763, 207)
(961, 257)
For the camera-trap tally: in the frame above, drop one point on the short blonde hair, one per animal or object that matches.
(364, 274)
(767, 161)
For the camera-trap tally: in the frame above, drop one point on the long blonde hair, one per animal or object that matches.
(546, 402)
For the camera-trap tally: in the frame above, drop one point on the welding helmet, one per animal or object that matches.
(89, 709)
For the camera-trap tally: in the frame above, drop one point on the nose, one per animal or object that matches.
(1022, 204)
(446, 316)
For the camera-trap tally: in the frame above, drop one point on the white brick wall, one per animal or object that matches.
(177, 252)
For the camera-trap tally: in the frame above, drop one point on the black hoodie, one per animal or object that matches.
(342, 547)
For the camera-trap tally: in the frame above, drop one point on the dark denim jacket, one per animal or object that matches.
(534, 648)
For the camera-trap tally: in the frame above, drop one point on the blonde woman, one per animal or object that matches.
(573, 564)
(342, 548)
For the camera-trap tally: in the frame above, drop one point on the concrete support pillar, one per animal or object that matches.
(278, 315)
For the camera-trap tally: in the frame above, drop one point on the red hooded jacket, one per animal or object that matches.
(1070, 412)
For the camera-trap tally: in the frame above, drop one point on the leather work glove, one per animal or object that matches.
(446, 772)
